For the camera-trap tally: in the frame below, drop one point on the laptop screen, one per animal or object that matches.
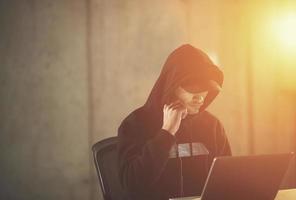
(246, 177)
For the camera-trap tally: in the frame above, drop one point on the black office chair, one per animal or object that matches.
(105, 158)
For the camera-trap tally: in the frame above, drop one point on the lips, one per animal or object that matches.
(195, 105)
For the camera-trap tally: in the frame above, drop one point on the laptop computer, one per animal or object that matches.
(244, 177)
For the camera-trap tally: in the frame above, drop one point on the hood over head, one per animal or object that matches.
(183, 64)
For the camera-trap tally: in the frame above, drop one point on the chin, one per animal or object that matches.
(192, 112)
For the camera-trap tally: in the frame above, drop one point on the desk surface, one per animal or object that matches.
(286, 195)
(282, 195)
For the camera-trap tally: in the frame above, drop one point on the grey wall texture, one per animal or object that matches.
(53, 54)
(71, 70)
(44, 100)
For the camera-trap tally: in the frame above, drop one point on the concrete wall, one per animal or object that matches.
(134, 40)
(71, 70)
(44, 101)
(215, 27)
(130, 41)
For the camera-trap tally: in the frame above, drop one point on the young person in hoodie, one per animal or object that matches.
(166, 146)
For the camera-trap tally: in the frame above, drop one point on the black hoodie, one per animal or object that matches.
(147, 167)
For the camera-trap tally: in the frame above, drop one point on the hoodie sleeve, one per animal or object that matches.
(141, 162)
(222, 143)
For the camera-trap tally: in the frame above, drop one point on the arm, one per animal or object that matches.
(141, 162)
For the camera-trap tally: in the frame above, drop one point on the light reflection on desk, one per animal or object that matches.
(282, 195)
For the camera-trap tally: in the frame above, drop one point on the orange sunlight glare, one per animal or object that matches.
(285, 29)
(284, 33)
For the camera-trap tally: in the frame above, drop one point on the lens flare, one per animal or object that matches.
(286, 30)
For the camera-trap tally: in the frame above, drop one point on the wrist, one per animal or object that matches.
(168, 130)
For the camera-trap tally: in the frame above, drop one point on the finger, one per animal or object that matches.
(179, 103)
(177, 107)
(184, 111)
(184, 114)
(173, 103)
(165, 108)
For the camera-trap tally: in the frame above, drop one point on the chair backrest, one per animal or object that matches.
(105, 158)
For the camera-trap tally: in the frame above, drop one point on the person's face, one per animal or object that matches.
(192, 97)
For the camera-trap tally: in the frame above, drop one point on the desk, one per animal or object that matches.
(282, 195)
(286, 195)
